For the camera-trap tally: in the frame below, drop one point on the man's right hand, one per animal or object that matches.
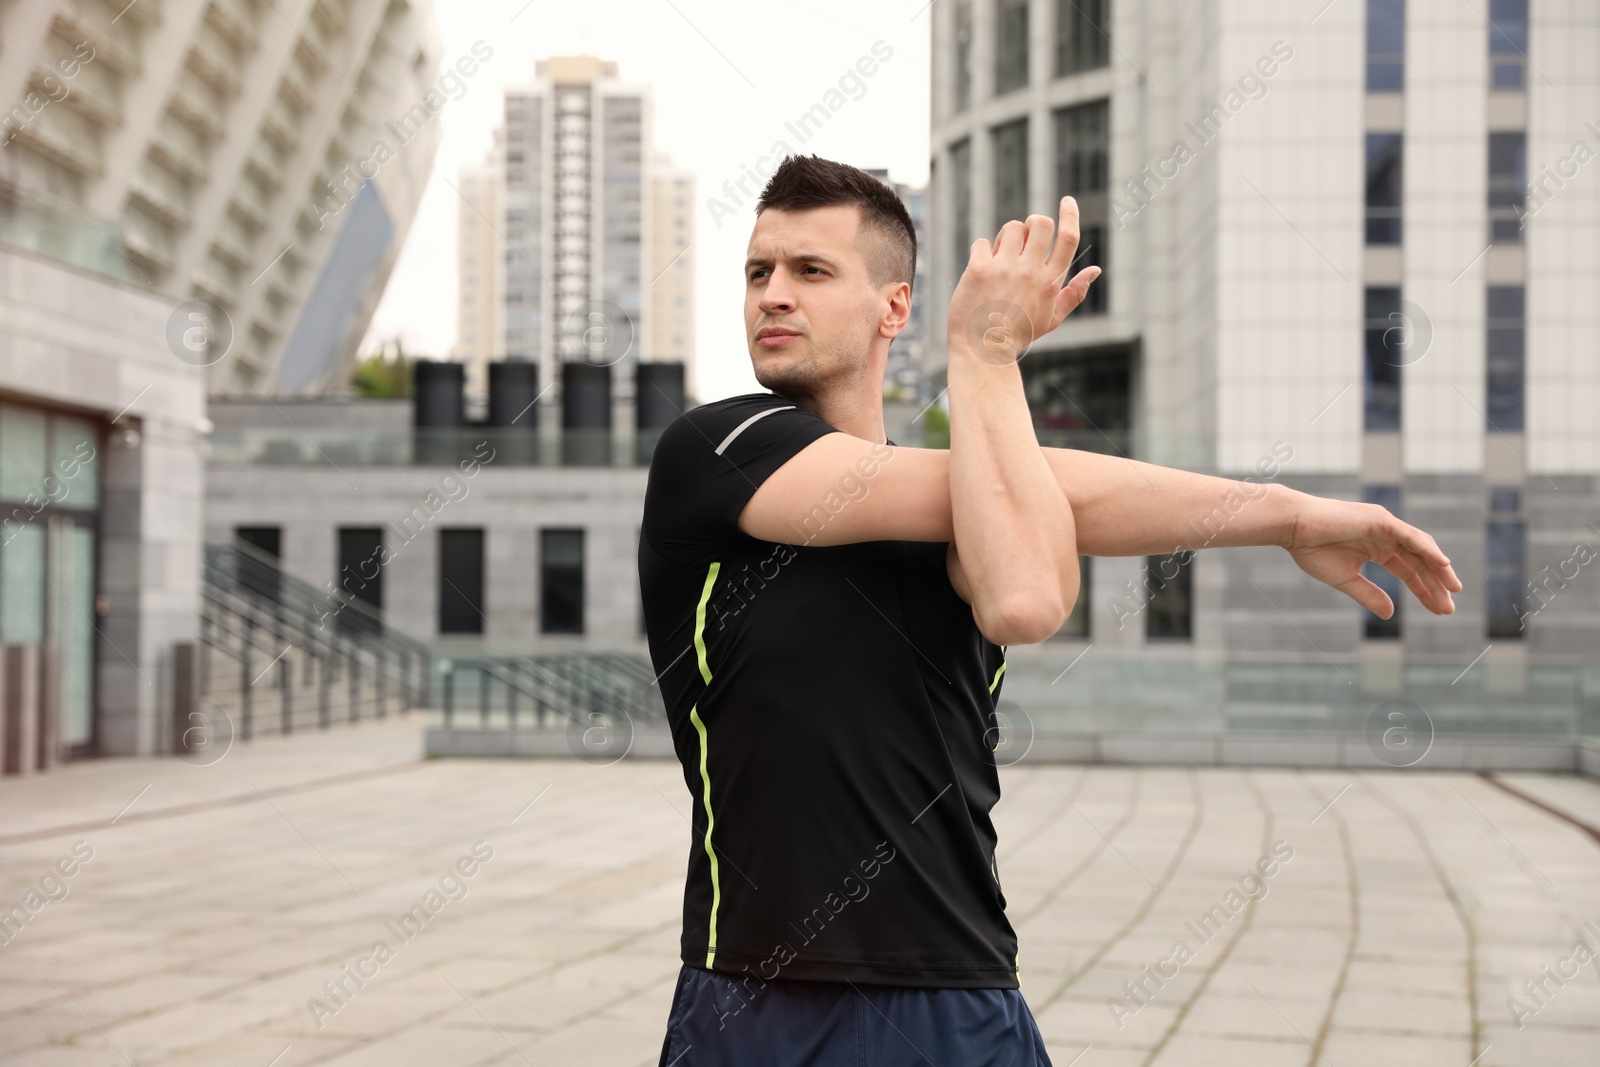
(1011, 294)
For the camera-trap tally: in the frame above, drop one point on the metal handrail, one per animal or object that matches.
(245, 627)
(574, 684)
(372, 623)
(221, 573)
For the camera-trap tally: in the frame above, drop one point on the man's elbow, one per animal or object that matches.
(1025, 620)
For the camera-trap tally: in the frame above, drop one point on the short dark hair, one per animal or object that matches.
(804, 182)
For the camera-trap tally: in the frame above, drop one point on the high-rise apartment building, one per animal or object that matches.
(593, 234)
(477, 268)
(1355, 247)
(905, 376)
(264, 157)
(671, 280)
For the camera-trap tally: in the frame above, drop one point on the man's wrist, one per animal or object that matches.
(1285, 505)
(963, 353)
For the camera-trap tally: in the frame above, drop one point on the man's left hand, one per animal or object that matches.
(1331, 540)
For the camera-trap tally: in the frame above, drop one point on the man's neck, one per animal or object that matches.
(859, 416)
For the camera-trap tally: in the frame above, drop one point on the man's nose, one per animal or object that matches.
(778, 293)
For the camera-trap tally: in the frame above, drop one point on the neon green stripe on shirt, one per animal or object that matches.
(705, 775)
(700, 620)
(716, 888)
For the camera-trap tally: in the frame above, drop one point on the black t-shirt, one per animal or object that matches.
(833, 708)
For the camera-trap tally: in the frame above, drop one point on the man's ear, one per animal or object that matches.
(899, 311)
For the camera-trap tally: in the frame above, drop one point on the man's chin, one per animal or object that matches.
(776, 378)
(773, 359)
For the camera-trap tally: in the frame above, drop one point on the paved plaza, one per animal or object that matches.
(254, 912)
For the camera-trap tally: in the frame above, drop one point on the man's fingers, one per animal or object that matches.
(1404, 566)
(1439, 580)
(1423, 581)
(1012, 236)
(1087, 277)
(1440, 563)
(1066, 245)
(980, 250)
(1436, 579)
(1368, 595)
(1421, 556)
(1404, 569)
(1075, 292)
(1039, 228)
(1424, 545)
(1067, 302)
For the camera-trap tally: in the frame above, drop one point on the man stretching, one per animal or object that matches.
(829, 612)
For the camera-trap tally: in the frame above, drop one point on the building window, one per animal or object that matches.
(461, 608)
(1386, 46)
(963, 64)
(1505, 570)
(361, 575)
(49, 473)
(561, 581)
(1384, 187)
(22, 574)
(1083, 149)
(1077, 625)
(1083, 172)
(1383, 340)
(961, 194)
(1083, 36)
(1508, 43)
(1169, 584)
(1505, 360)
(1011, 45)
(256, 568)
(1009, 144)
(1082, 398)
(1379, 628)
(1508, 180)
(268, 540)
(1092, 253)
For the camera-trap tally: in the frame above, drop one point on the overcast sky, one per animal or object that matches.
(727, 76)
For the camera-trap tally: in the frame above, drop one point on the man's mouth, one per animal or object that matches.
(772, 337)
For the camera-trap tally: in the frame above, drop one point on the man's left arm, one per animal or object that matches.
(1120, 507)
(1123, 507)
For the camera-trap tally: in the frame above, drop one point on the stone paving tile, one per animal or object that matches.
(16, 995)
(51, 1023)
(259, 1050)
(1384, 975)
(1388, 1012)
(1085, 1021)
(204, 927)
(1538, 1044)
(1296, 981)
(1569, 794)
(1394, 1050)
(1195, 1051)
(1219, 1015)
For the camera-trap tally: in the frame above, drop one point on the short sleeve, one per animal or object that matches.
(709, 462)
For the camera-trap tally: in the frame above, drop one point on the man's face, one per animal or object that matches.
(806, 278)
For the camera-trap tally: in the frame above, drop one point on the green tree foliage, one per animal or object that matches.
(384, 374)
(936, 428)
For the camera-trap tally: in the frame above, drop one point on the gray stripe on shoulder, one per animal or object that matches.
(739, 429)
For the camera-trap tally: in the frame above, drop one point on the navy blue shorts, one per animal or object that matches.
(718, 1021)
